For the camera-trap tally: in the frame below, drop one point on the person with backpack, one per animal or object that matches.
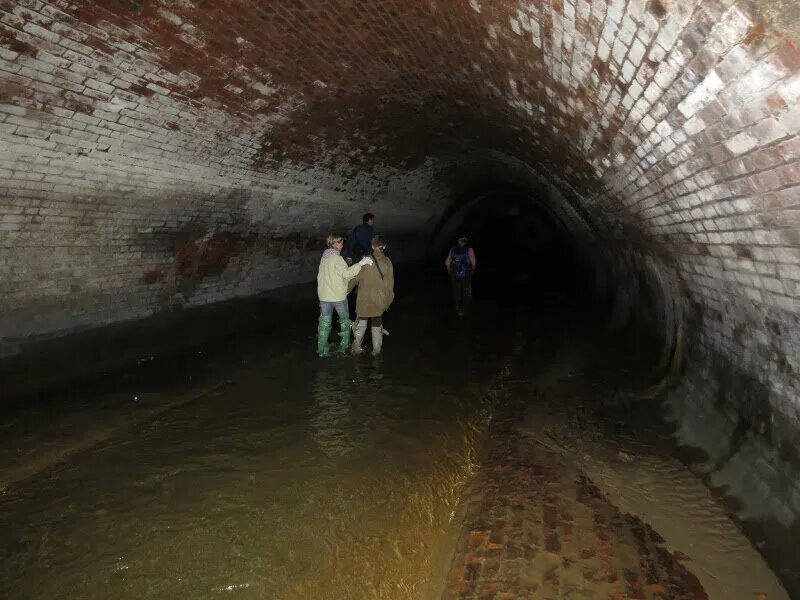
(375, 294)
(460, 264)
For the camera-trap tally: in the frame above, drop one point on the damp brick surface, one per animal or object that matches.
(535, 527)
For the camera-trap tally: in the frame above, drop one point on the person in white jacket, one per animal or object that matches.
(332, 281)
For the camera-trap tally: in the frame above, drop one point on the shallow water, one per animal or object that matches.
(252, 469)
(296, 478)
(634, 470)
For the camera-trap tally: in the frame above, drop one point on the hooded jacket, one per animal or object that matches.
(375, 293)
(333, 276)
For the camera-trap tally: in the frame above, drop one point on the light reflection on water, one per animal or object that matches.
(300, 479)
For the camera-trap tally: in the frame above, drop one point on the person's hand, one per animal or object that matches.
(365, 261)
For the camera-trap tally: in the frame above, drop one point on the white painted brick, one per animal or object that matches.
(636, 52)
(694, 126)
(701, 95)
(741, 143)
(627, 71)
(8, 55)
(99, 86)
(41, 32)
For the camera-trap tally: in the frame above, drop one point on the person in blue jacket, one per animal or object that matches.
(460, 264)
(361, 239)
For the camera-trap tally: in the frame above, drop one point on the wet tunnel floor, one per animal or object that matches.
(488, 457)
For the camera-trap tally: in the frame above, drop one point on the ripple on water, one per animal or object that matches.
(337, 486)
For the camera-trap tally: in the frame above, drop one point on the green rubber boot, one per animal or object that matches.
(345, 329)
(323, 331)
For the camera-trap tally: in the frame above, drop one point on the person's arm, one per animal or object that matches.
(472, 260)
(447, 261)
(345, 272)
(349, 272)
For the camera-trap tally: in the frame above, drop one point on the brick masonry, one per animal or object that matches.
(533, 528)
(155, 153)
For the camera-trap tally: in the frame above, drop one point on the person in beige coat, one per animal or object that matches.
(332, 280)
(375, 293)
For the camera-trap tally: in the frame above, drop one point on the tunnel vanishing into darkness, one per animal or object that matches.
(159, 155)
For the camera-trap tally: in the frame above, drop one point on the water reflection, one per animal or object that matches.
(331, 421)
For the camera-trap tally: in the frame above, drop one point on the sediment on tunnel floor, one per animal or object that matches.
(580, 494)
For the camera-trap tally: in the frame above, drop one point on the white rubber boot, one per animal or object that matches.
(377, 340)
(359, 331)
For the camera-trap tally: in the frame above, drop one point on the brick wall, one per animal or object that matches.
(121, 196)
(159, 152)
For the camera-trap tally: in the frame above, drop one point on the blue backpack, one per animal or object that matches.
(460, 267)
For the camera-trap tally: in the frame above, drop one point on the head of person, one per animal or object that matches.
(335, 242)
(462, 241)
(368, 219)
(378, 243)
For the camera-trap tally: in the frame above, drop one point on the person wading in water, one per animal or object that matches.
(375, 294)
(332, 281)
(460, 264)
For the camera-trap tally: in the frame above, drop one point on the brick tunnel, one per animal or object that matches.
(170, 170)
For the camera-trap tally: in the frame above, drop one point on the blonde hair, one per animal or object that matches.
(332, 239)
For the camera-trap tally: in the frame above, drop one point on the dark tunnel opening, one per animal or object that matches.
(526, 255)
(534, 251)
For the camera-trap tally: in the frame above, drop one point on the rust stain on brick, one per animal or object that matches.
(140, 90)
(77, 103)
(206, 256)
(789, 55)
(153, 276)
(755, 35)
(218, 251)
(10, 40)
(9, 90)
(657, 8)
(599, 66)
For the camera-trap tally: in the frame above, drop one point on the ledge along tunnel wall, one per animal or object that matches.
(156, 154)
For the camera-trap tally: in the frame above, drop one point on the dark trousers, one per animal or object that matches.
(462, 292)
(373, 321)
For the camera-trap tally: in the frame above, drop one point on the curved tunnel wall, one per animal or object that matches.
(155, 154)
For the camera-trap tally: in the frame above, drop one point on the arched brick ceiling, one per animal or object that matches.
(609, 89)
(636, 95)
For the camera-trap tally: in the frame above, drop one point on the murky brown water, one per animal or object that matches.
(255, 470)
(295, 478)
